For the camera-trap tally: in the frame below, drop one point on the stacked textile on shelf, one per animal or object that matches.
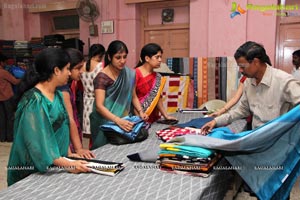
(37, 45)
(7, 48)
(190, 160)
(23, 48)
(55, 40)
(73, 43)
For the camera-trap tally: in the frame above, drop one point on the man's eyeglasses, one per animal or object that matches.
(244, 65)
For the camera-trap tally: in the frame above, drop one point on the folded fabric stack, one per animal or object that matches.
(190, 160)
(55, 40)
(73, 43)
(23, 48)
(7, 48)
(37, 45)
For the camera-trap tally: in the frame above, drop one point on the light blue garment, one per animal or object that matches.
(269, 156)
(138, 124)
(188, 151)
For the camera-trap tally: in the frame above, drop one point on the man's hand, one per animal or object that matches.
(206, 128)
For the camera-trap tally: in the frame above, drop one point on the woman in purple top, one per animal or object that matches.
(76, 64)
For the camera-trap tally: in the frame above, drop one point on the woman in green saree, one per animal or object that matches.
(41, 127)
(114, 94)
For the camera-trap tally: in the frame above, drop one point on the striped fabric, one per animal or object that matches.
(195, 76)
(223, 78)
(213, 78)
(217, 77)
(232, 80)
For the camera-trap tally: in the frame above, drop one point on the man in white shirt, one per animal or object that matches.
(267, 94)
(296, 63)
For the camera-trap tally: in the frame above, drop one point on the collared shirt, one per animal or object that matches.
(296, 73)
(6, 81)
(277, 92)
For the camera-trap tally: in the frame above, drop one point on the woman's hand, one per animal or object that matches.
(144, 116)
(124, 124)
(85, 153)
(74, 155)
(78, 166)
(206, 128)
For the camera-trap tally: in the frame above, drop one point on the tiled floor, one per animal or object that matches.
(4, 153)
(5, 149)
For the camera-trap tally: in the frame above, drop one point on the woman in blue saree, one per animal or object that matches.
(41, 127)
(114, 94)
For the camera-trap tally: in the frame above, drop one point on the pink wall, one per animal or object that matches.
(212, 31)
(216, 34)
(261, 27)
(181, 15)
(12, 20)
(126, 27)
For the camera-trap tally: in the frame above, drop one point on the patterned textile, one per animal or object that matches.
(87, 79)
(191, 95)
(233, 78)
(193, 167)
(213, 77)
(223, 79)
(217, 77)
(195, 83)
(149, 90)
(175, 93)
(193, 151)
(187, 159)
(171, 132)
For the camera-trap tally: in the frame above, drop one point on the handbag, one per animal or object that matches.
(116, 135)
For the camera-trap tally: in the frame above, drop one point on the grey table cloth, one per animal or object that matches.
(139, 180)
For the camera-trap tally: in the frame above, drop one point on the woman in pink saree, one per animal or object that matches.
(149, 84)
